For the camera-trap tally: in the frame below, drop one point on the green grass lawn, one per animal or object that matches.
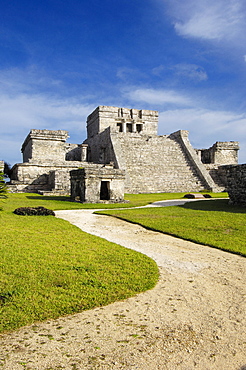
(214, 223)
(50, 268)
(62, 202)
(137, 200)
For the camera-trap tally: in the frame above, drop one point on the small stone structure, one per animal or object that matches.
(98, 183)
(236, 183)
(120, 142)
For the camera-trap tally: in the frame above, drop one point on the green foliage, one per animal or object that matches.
(214, 223)
(7, 169)
(50, 268)
(34, 211)
(3, 188)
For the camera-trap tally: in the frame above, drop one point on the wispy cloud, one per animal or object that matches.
(41, 111)
(30, 79)
(191, 72)
(181, 71)
(183, 112)
(208, 19)
(126, 73)
(29, 99)
(206, 126)
(23, 112)
(157, 97)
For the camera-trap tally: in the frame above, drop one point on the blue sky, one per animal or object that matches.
(61, 59)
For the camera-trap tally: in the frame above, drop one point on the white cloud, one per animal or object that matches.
(186, 71)
(191, 72)
(209, 19)
(23, 112)
(124, 72)
(30, 79)
(157, 71)
(27, 111)
(206, 126)
(157, 97)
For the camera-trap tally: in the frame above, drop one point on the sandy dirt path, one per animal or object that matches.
(193, 319)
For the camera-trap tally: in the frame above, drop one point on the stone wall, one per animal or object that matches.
(218, 176)
(30, 177)
(236, 183)
(100, 148)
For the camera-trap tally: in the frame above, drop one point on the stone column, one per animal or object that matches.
(84, 148)
(124, 127)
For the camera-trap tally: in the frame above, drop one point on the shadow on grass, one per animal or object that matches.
(61, 198)
(219, 205)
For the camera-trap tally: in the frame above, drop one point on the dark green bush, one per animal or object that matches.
(3, 188)
(189, 196)
(34, 211)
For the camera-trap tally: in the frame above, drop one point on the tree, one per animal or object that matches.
(7, 170)
(3, 187)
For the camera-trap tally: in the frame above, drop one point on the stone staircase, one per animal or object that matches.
(156, 164)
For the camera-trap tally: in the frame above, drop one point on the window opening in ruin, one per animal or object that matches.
(139, 127)
(105, 190)
(120, 128)
(128, 127)
(206, 156)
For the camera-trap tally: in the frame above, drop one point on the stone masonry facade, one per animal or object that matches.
(236, 183)
(124, 153)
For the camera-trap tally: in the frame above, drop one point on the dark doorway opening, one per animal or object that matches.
(128, 127)
(139, 128)
(105, 190)
(120, 128)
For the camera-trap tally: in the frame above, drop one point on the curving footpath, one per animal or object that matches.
(193, 319)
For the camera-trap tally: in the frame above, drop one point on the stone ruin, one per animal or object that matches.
(122, 154)
(236, 183)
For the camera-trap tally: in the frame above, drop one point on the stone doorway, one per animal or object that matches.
(105, 190)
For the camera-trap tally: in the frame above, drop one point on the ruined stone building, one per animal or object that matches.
(122, 153)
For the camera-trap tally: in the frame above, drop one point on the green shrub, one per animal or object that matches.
(3, 188)
(34, 211)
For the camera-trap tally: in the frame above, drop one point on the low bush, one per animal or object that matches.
(34, 211)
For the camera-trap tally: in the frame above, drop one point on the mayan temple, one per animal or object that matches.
(122, 153)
